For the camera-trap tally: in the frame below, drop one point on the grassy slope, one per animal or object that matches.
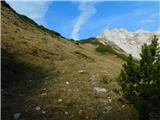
(33, 59)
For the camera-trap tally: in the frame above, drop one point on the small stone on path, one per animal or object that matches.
(30, 80)
(81, 71)
(44, 89)
(43, 112)
(108, 108)
(43, 94)
(93, 79)
(17, 116)
(80, 112)
(60, 100)
(37, 108)
(66, 113)
(122, 106)
(100, 90)
(67, 83)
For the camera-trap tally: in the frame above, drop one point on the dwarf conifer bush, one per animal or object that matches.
(140, 81)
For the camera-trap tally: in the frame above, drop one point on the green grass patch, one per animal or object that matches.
(104, 48)
(91, 40)
(108, 49)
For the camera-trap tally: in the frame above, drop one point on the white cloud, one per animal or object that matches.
(120, 20)
(87, 10)
(150, 19)
(35, 10)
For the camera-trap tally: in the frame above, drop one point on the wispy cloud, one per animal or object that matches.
(36, 10)
(126, 19)
(150, 19)
(87, 10)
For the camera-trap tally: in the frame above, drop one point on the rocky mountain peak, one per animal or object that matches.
(130, 42)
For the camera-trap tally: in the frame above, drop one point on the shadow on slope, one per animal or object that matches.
(15, 71)
(19, 81)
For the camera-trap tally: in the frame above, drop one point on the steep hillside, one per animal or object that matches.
(46, 77)
(130, 42)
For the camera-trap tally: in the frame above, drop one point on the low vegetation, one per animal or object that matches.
(108, 49)
(91, 40)
(103, 48)
(104, 79)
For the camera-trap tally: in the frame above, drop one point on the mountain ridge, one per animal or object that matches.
(130, 42)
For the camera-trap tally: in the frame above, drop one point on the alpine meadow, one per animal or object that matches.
(80, 60)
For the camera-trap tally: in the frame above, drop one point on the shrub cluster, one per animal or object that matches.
(104, 48)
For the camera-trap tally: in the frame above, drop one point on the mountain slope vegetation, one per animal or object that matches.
(47, 77)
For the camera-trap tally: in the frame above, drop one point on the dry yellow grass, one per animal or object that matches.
(52, 79)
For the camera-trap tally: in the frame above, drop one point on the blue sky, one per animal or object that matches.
(79, 20)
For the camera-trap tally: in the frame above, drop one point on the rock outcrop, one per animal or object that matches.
(130, 42)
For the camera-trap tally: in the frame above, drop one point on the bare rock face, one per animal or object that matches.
(130, 42)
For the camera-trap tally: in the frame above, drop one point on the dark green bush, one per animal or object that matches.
(104, 48)
(140, 81)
